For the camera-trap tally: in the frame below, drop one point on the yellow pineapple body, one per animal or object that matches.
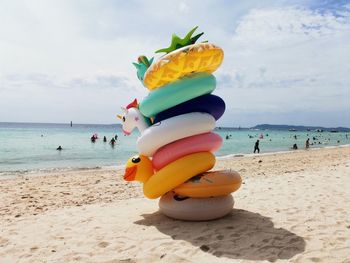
(201, 57)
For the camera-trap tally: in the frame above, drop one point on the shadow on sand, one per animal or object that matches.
(239, 235)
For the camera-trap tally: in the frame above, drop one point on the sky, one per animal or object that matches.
(286, 62)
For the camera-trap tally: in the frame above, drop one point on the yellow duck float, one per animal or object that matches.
(192, 181)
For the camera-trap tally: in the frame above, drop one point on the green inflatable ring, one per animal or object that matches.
(178, 92)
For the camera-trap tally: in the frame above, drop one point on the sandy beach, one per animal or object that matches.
(291, 207)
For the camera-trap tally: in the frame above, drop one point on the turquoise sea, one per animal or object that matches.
(30, 146)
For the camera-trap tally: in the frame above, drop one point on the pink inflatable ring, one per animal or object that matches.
(205, 142)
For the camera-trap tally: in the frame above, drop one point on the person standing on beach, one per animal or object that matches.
(256, 146)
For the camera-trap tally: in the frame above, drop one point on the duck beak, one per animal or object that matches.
(130, 173)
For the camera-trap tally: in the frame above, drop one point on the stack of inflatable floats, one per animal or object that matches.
(176, 121)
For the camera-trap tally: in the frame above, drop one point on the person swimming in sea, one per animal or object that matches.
(59, 148)
(112, 142)
(104, 139)
(307, 143)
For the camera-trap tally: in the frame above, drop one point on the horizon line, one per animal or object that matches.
(236, 127)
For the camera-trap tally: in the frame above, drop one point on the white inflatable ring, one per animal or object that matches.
(195, 209)
(172, 129)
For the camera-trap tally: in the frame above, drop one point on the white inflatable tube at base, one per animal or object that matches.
(172, 129)
(195, 209)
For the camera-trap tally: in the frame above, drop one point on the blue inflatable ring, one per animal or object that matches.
(208, 103)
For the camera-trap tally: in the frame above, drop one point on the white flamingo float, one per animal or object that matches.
(132, 118)
(162, 133)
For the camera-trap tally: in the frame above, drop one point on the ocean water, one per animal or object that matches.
(29, 146)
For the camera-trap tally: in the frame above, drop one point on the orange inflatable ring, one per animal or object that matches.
(210, 184)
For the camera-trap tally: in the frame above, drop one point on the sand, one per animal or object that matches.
(291, 207)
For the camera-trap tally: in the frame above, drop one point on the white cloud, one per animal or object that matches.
(284, 60)
(271, 28)
(184, 7)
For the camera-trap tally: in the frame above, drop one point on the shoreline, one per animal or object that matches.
(228, 156)
(47, 171)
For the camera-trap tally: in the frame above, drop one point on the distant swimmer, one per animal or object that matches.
(112, 142)
(256, 147)
(116, 137)
(93, 139)
(227, 137)
(295, 146)
(104, 139)
(59, 148)
(307, 143)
